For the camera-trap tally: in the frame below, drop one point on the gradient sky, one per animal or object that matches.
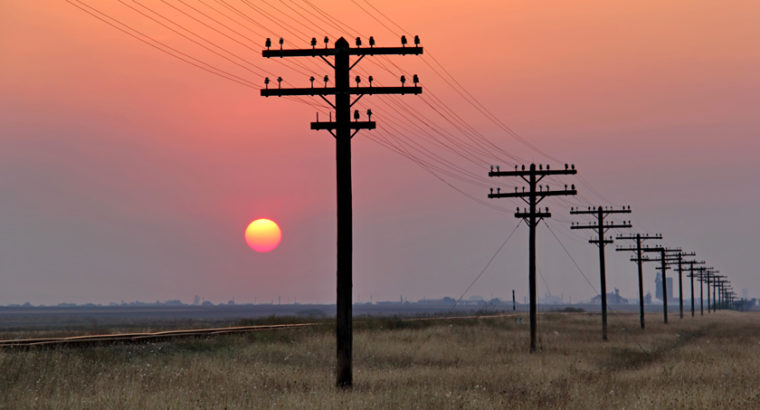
(127, 174)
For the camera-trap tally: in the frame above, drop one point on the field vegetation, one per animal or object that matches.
(703, 362)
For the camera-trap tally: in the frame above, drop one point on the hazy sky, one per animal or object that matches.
(128, 174)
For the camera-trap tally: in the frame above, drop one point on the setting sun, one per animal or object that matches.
(263, 235)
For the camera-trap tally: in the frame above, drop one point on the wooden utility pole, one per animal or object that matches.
(691, 276)
(663, 269)
(601, 228)
(343, 129)
(532, 216)
(639, 238)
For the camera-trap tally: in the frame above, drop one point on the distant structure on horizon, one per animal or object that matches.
(612, 298)
(658, 288)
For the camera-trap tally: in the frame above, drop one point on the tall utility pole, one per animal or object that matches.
(639, 238)
(532, 216)
(601, 228)
(343, 129)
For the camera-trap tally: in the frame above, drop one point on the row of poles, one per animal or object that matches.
(344, 128)
(534, 193)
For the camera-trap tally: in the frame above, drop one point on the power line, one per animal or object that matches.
(490, 260)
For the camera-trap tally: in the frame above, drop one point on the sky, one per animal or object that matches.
(132, 160)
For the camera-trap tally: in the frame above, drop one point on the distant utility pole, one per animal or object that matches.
(639, 238)
(532, 216)
(663, 268)
(677, 256)
(702, 276)
(668, 257)
(717, 281)
(712, 275)
(601, 228)
(514, 302)
(343, 129)
(691, 276)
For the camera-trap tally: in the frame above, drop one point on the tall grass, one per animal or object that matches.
(709, 362)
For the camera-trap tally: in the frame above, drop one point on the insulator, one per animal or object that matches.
(403, 41)
(371, 41)
(356, 115)
(282, 41)
(497, 168)
(358, 41)
(403, 80)
(313, 42)
(491, 168)
(491, 190)
(415, 79)
(268, 43)
(416, 40)
(565, 166)
(358, 80)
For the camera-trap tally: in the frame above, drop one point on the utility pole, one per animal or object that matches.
(343, 129)
(601, 228)
(667, 257)
(702, 276)
(532, 216)
(663, 269)
(514, 302)
(639, 238)
(691, 276)
(677, 256)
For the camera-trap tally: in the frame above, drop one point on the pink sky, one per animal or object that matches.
(127, 174)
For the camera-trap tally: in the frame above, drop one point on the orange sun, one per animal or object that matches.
(263, 235)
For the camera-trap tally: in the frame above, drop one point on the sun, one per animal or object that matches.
(263, 235)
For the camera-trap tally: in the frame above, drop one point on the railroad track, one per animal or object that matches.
(151, 337)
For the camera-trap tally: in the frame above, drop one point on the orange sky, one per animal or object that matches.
(131, 175)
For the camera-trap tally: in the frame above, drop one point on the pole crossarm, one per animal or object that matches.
(326, 52)
(638, 236)
(540, 194)
(592, 211)
(603, 226)
(317, 91)
(569, 170)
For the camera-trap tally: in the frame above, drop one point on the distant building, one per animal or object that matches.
(658, 287)
(612, 298)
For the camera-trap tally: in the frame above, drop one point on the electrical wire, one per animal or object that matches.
(485, 268)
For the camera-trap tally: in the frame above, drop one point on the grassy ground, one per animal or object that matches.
(708, 362)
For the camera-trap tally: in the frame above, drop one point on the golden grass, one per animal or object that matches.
(709, 362)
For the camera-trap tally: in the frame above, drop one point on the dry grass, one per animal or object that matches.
(709, 362)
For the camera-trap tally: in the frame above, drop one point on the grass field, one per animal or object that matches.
(708, 362)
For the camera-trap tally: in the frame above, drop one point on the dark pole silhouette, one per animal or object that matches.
(639, 262)
(691, 275)
(532, 216)
(680, 284)
(514, 302)
(343, 129)
(601, 228)
(664, 267)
